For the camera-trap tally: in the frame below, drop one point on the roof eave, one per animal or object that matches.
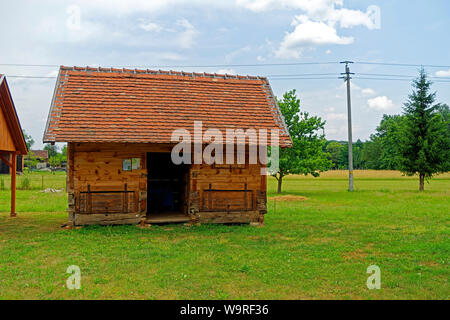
(47, 137)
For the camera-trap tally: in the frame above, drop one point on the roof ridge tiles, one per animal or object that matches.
(225, 76)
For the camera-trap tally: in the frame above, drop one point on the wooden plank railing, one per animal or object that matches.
(228, 200)
(107, 201)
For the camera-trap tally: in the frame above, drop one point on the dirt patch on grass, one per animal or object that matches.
(289, 198)
(430, 264)
(322, 240)
(357, 254)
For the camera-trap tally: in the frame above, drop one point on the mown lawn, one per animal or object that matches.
(315, 247)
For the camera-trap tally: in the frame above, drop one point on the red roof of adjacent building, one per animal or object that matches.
(41, 154)
(146, 106)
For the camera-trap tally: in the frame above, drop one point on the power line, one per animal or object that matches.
(309, 76)
(322, 78)
(397, 75)
(277, 77)
(394, 79)
(301, 75)
(402, 64)
(28, 65)
(286, 77)
(31, 77)
(297, 77)
(385, 75)
(240, 65)
(364, 74)
(183, 66)
(234, 65)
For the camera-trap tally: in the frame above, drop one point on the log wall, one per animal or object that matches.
(227, 193)
(100, 192)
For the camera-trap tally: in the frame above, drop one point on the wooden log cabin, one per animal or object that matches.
(12, 142)
(118, 125)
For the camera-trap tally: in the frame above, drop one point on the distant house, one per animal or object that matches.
(41, 155)
(42, 158)
(118, 125)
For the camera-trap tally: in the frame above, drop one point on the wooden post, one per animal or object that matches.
(13, 184)
(210, 197)
(89, 199)
(125, 200)
(73, 199)
(245, 198)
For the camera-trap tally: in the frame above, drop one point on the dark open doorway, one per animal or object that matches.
(166, 189)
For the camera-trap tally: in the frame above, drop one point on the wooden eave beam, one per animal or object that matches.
(9, 164)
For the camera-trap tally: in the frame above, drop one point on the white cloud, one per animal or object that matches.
(352, 18)
(443, 73)
(325, 15)
(331, 11)
(120, 7)
(316, 7)
(354, 86)
(368, 92)
(186, 37)
(171, 56)
(380, 103)
(318, 24)
(151, 27)
(230, 56)
(226, 71)
(335, 116)
(328, 51)
(308, 33)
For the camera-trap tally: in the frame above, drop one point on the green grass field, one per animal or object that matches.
(317, 243)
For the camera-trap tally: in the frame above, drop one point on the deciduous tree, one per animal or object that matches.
(306, 155)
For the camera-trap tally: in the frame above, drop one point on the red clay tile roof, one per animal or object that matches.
(146, 106)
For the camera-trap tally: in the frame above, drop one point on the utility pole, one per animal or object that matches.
(347, 76)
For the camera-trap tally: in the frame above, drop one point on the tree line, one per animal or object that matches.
(416, 142)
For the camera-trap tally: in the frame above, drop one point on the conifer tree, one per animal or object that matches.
(425, 146)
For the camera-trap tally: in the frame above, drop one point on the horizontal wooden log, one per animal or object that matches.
(107, 219)
(229, 217)
(167, 218)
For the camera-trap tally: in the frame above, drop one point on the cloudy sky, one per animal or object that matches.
(193, 35)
